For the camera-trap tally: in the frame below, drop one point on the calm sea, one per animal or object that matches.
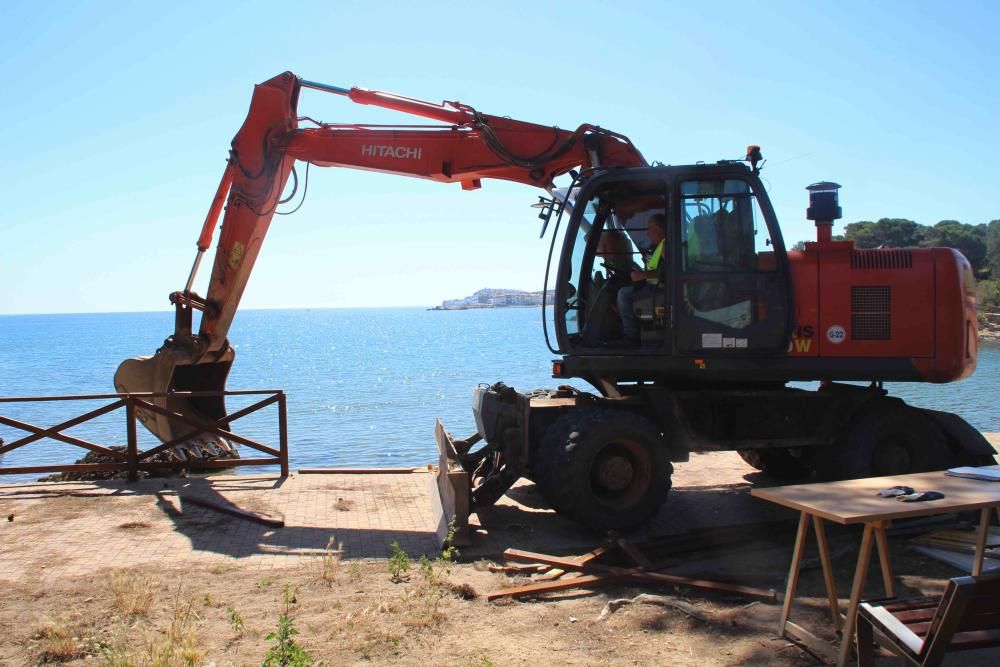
(364, 386)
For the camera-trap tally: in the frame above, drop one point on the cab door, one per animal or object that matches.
(732, 294)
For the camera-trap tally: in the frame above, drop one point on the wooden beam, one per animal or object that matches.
(360, 471)
(585, 581)
(638, 573)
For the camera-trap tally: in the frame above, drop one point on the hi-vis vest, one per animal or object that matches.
(654, 260)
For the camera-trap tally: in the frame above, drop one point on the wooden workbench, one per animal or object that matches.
(857, 502)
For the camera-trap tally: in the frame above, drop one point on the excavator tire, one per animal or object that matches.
(779, 463)
(892, 441)
(604, 468)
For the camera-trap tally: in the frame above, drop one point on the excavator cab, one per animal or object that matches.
(722, 290)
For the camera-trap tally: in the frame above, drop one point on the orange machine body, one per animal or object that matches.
(885, 304)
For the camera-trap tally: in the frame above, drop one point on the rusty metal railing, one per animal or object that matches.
(132, 460)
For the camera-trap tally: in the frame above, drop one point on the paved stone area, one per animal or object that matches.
(74, 528)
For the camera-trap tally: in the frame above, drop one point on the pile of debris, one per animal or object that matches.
(655, 561)
(956, 546)
(191, 453)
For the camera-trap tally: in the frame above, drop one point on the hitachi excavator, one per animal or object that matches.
(730, 322)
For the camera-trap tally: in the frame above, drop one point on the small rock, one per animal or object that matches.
(10, 517)
(572, 619)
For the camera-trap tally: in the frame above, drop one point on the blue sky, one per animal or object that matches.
(116, 121)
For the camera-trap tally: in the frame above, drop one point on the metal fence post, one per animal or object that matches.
(133, 444)
(283, 432)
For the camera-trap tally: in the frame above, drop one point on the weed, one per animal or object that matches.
(427, 570)
(285, 652)
(482, 661)
(56, 641)
(222, 568)
(354, 572)
(235, 620)
(449, 553)
(133, 593)
(330, 561)
(179, 645)
(399, 562)
(263, 583)
(207, 599)
(378, 644)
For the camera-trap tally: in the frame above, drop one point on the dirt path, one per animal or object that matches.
(118, 574)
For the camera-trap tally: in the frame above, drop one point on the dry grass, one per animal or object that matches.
(57, 641)
(133, 593)
(330, 565)
(131, 641)
(178, 646)
(360, 617)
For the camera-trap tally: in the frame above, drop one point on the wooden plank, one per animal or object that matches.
(883, 560)
(565, 563)
(793, 572)
(981, 534)
(585, 581)
(40, 433)
(857, 500)
(824, 557)
(205, 426)
(637, 573)
(593, 554)
(69, 467)
(360, 471)
(232, 510)
(811, 642)
(860, 576)
(43, 433)
(518, 569)
(963, 562)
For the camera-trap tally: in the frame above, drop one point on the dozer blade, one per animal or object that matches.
(451, 492)
(172, 370)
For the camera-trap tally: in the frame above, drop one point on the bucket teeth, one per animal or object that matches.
(202, 448)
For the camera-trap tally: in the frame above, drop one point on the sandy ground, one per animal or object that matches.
(178, 608)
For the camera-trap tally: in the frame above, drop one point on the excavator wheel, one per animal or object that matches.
(894, 440)
(606, 469)
(779, 463)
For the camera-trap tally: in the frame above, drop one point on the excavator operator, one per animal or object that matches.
(656, 229)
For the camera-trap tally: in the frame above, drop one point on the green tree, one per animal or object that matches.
(889, 232)
(993, 248)
(988, 295)
(970, 240)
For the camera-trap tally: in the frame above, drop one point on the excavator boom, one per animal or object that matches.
(470, 147)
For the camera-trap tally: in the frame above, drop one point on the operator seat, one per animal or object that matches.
(602, 323)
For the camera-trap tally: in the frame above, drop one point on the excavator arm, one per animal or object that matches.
(470, 146)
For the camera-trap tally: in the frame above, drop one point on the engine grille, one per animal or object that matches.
(889, 258)
(870, 313)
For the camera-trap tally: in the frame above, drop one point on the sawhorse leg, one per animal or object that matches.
(981, 536)
(874, 532)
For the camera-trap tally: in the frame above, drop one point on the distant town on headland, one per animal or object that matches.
(495, 298)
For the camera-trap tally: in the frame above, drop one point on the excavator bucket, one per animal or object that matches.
(172, 370)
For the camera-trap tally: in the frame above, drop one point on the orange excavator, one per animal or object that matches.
(704, 358)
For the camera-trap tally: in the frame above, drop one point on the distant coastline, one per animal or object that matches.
(492, 297)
